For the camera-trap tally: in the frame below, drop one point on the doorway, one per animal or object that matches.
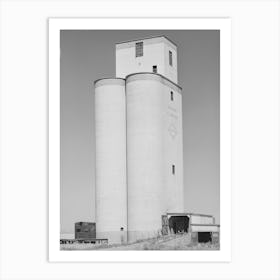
(179, 224)
(204, 237)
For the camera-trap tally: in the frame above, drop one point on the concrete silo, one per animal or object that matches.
(111, 185)
(139, 154)
(145, 148)
(173, 147)
(154, 152)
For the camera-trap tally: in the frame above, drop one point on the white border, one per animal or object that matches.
(55, 25)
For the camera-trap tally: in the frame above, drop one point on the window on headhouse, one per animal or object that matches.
(170, 58)
(139, 49)
(154, 69)
(173, 169)
(171, 95)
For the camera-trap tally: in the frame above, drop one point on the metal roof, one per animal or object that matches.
(188, 214)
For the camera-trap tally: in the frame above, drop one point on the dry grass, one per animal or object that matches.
(170, 242)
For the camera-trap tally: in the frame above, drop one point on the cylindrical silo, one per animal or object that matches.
(144, 155)
(173, 147)
(110, 182)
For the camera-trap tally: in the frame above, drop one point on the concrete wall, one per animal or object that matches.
(170, 71)
(111, 190)
(156, 52)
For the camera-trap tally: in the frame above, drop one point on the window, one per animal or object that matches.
(154, 68)
(171, 95)
(170, 58)
(139, 49)
(173, 169)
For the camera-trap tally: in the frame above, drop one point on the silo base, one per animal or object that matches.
(141, 235)
(114, 237)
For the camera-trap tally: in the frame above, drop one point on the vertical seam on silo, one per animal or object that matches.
(126, 161)
(95, 198)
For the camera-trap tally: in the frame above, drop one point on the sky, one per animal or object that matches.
(88, 55)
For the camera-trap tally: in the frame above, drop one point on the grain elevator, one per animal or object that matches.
(139, 145)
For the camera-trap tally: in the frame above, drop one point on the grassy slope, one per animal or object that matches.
(170, 242)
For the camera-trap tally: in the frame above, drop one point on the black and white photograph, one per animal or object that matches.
(140, 139)
(140, 128)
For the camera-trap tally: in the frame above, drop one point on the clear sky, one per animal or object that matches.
(87, 55)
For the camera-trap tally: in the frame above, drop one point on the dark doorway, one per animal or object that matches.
(204, 237)
(179, 224)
